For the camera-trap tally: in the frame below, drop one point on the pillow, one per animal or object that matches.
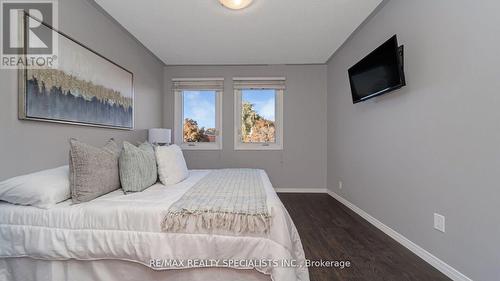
(93, 171)
(171, 164)
(137, 167)
(42, 189)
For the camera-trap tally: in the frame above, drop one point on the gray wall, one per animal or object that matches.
(27, 146)
(302, 163)
(432, 146)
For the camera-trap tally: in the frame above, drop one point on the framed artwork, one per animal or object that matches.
(83, 88)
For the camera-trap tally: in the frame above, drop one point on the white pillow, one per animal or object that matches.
(42, 189)
(171, 164)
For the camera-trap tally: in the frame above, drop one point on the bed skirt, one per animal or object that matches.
(28, 269)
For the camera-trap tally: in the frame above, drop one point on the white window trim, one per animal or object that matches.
(278, 145)
(178, 119)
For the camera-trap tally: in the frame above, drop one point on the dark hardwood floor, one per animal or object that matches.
(330, 231)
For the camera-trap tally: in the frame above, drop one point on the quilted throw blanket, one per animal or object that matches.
(228, 199)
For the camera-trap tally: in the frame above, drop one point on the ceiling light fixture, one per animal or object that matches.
(235, 4)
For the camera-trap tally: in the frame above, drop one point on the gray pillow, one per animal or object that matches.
(93, 171)
(137, 167)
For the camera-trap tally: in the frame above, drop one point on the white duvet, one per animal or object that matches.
(127, 227)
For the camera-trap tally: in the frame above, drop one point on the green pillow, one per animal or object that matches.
(137, 167)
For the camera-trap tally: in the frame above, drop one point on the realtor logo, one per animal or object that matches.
(28, 40)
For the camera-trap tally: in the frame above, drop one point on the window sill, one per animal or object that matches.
(258, 147)
(200, 147)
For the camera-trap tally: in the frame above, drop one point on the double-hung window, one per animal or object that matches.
(198, 108)
(258, 111)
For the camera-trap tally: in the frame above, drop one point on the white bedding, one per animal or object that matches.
(127, 227)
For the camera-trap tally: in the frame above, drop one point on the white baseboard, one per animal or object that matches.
(440, 265)
(301, 190)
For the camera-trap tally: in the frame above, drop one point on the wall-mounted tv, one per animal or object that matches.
(378, 73)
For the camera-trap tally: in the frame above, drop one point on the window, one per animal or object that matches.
(198, 113)
(258, 113)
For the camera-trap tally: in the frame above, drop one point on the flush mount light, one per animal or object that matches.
(235, 4)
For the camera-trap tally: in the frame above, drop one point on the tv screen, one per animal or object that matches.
(379, 72)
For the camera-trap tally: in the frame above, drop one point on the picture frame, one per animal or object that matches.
(85, 88)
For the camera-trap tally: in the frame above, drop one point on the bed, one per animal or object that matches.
(119, 237)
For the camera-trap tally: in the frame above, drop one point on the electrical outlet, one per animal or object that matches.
(439, 222)
(340, 184)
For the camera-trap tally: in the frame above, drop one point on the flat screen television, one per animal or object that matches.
(378, 73)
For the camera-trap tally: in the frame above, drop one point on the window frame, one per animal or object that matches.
(179, 116)
(278, 123)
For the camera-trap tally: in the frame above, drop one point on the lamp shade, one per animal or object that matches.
(160, 136)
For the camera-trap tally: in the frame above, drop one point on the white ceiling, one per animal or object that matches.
(196, 32)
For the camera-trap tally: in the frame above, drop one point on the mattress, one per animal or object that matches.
(128, 228)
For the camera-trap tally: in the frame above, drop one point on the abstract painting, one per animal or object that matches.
(84, 88)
